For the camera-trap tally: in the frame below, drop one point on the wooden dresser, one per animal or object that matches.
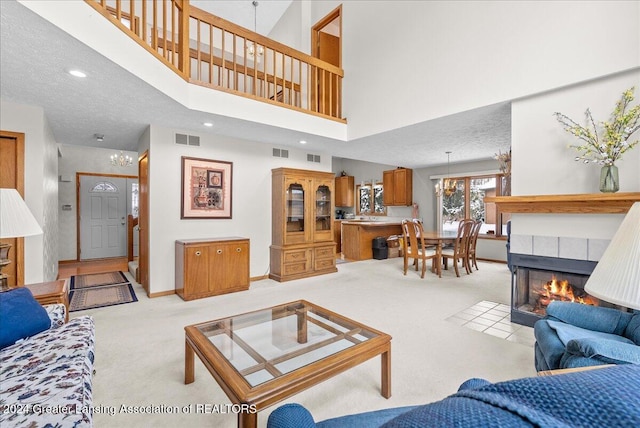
(208, 267)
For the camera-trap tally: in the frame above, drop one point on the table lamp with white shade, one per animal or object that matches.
(616, 277)
(16, 221)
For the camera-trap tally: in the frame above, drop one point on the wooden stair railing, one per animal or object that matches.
(218, 55)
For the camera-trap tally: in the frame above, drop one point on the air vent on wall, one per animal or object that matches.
(280, 153)
(313, 158)
(188, 140)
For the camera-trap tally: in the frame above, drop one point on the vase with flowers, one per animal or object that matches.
(605, 143)
(504, 162)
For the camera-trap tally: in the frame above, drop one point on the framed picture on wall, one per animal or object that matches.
(206, 188)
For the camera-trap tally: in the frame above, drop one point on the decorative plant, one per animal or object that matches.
(504, 161)
(605, 142)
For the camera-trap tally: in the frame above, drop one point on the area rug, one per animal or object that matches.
(97, 280)
(99, 297)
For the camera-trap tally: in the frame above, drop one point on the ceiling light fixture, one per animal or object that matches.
(77, 73)
(99, 137)
(251, 46)
(208, 124)
(121, 159)
(302, 142)
(448, 186)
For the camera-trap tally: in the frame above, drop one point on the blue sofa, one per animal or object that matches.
(575, 335)
(602, 397)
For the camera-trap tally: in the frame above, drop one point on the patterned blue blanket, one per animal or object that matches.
(606, 397)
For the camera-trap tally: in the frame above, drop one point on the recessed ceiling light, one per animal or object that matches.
(77, 73)
(208, 124)
(303, 142)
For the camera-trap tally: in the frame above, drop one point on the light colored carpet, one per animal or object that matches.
(140, 348)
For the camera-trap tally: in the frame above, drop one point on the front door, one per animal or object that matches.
(103, 214)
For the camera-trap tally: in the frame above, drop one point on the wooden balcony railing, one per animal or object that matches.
(210, 51)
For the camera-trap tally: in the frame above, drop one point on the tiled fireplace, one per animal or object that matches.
(550, 268)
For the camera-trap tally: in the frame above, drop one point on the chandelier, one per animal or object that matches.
(447, 186)
(251, 46)
(121, 159)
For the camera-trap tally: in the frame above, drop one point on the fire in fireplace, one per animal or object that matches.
(538, 280)
(556, 289)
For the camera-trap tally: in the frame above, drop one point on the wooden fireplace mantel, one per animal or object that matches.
(587, 203)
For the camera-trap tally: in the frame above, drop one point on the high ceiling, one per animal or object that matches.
(35, 55)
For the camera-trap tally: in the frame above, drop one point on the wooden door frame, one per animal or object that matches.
(335, 13)
(92, 174)
(143, 222)
(19, 246)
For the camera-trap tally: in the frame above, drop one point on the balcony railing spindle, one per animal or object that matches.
(164, 30)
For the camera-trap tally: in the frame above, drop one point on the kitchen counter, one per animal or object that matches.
(358, 235)
(371, 222)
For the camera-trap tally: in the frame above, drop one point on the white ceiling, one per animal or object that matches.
(35, 55)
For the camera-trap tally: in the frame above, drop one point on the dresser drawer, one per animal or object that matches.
(321, 264)
(324, 252)
(295, 256)
(294, 268)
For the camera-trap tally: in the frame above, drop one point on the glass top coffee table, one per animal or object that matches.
(262, 357)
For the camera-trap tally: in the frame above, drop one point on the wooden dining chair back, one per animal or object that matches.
(459, 252)
(414, 247)
(473, 241)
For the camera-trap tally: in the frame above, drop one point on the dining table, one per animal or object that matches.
(439, 238)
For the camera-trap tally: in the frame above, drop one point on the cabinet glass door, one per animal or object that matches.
(295, 208)
(323, 208)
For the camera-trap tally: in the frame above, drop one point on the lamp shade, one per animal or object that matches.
(15, 218)
(616, 278)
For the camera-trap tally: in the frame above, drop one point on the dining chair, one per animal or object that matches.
(414, 247)
(459, 252)
(473, 240)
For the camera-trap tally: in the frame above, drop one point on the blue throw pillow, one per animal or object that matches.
(21, 316)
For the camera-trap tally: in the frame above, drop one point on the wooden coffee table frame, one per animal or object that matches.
(285, 385)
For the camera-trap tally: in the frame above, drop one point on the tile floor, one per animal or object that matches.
(494, 319)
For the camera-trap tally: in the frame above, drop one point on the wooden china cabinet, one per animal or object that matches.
(302, 224)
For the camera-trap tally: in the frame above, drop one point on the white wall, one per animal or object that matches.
(40, 191)
(251, 198)
(51, 233)
(74, 159)
(542, 162)
(428, 59)
(292, 28)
